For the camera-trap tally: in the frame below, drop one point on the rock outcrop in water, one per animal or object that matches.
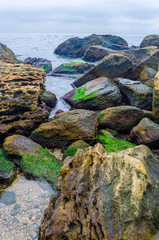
(105, 196)
(7, 55)
(20, 90)
(150, 40)
(39, 63)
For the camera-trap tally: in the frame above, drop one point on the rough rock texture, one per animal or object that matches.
(97, 94)
(72, 68)
(49, 99)
(96, 53)
(155, 104)
(111, 66)
(137, 94)
(147, 73)
(121, 118)
(146, 132)
(76, 47)
(66, 128)
(20, 91)
(7, 169)
(72, 149)
(6, 54)
(150, 40)
(105, 196)
(39, 63)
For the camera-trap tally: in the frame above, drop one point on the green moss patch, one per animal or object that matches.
(67, 67)
(42, 165)
(112, 144)
(7, 168)
(80, 94)
(72, 149)
(46, 68)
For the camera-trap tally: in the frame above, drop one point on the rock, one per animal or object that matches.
(7, 55)
(34, 160)
(7, 168)
(72, 149)
(121, 118)
(150, 83)
(150, 40)
(49, 99)
(137, 94)
(67, 127)
(111, 66)
(96, 53)
(72, 68)
(155, 105)
(76, 47)
(8, 198)
(20, 91)
(156, 237)
(97, 94)
(147, 73)
(111, 143)
(146, 132)
(39, 63)
(111, 196)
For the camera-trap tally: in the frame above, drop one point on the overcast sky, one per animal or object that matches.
(80, 16)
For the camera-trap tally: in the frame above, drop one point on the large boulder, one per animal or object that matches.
(76, 47)
(146, 132)
(49, 99)
(105, 196)
(7, 55)
(67, 127)
(137, 94)
(33, 160)
(111, 66)
(96, 53)
(150, 40)
(39, 63)
(121, 118)
(97, 94)
(20, 91)
(155, 104)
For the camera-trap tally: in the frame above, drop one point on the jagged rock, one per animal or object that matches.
(67, 127)
(39, 63)
(121, 118)
(49, 99)
(150, 40)
(96, 53)
(32, 158)
(137, 94)
(97, 94)
(20, 90)
(155, 104)
(76, 47)
(7, 55)
(105, 196)
(111, 66)
(146, 132)
(72, 68)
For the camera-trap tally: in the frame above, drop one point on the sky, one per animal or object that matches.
(79, 16)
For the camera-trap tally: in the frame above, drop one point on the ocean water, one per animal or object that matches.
(43, 45)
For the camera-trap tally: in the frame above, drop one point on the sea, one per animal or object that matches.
(21, 212)
(42, 45)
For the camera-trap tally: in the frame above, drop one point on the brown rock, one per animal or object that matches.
(105, 196)
(6, 54)
(155, 104)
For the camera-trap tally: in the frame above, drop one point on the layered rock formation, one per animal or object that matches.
(20, 90)
(6, 54)
(105, 196)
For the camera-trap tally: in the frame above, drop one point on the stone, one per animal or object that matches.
(111, 66)
(147, 73)
(121, 118)
(33, 160)
(146, 132)
(72, 68)
(150, 83)
(7, 55)
(39, 63)
(97, 94)
(20, 90)
(8, 198)
(7, 168)
(72, 149)
(156, 237)
(155, 104)
(49, 99)
(111, 196)
(76, 47)
(96, 53)
(67, 127)
(150, 40)
(137, 94)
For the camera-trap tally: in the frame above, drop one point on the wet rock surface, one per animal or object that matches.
(39, 63)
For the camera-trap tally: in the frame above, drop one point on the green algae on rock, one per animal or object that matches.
(73, 68)
(7, 168)
(112, 144)
(35, 160)
(72, 149)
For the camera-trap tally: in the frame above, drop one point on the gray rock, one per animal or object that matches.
(39, 63)
(8, 198)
